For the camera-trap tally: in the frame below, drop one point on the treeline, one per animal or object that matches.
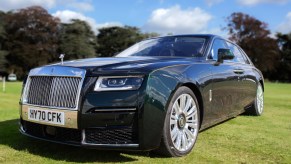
(271, 55)
(32, 37)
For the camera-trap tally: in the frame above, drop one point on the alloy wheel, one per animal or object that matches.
(184, 122)
(260, 99)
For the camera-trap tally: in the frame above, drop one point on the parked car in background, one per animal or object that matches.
(12, 77)
(156, 95)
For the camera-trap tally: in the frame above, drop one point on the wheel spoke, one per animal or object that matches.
(173, 120)
(176, 107)
(184, 142)
(174, 117)
(182, 102)
(178, 141)
(191, 121)
(188, 104)
(189, 134)
(192, 111)
(174, 133)
(192, 125)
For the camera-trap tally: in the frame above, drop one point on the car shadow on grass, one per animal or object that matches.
(10, 136)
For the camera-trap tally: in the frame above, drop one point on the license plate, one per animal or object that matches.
(46, 116)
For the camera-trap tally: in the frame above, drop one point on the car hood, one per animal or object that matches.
(114, 65)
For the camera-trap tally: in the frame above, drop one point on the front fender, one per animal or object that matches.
(161, 85)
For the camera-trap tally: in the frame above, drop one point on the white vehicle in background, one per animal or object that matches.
(12, 77)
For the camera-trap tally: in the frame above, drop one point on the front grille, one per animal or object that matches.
(53, 91)
(122, 135)
(61, 134)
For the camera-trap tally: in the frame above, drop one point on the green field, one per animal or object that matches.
(245, 139)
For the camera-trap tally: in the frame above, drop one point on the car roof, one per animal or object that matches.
(208, 36)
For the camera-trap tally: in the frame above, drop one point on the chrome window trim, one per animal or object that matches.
(55, 71)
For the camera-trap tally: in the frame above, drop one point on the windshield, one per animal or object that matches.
(167, 46)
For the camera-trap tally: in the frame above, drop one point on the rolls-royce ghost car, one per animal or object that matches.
(155, 95)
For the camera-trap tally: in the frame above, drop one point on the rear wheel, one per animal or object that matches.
(258, 106)
(181, 124)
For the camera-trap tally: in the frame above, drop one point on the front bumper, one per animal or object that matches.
(120, 132)
(118, 138)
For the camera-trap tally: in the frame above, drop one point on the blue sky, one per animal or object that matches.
(164, 16)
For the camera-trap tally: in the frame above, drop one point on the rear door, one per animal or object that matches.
(246, 86)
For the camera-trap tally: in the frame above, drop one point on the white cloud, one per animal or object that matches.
(178, 21)
(256, 2)
(213, 2)
(81, 6)
(285, 27)
(67, 15)
(108, 24)
(17, 4)
(74, 4)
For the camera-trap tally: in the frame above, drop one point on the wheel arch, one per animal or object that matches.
(198, 95)
(262, 83)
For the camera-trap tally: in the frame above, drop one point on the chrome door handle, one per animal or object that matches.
(238, 71)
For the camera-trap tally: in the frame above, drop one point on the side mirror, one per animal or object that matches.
(115, 53)
(224, 54)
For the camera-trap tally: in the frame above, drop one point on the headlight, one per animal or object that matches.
(114, 83)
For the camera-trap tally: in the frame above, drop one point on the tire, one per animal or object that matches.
(181, 126)
(258, 106)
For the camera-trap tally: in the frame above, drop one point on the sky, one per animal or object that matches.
(164, 16)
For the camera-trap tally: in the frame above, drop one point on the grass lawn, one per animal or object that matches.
(245, 139)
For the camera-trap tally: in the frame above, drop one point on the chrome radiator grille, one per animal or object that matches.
(53, 91)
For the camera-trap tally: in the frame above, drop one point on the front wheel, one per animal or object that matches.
(181, 124)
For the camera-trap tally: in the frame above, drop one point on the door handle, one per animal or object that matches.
(238, 71)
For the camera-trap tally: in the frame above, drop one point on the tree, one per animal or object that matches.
(77, 40)
(112, 40)
(2, 29)
(283, 72)
(254, 38)
(3, 53)
(3, 61)
(32, 37)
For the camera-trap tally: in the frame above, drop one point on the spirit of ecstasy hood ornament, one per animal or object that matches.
(62, 58)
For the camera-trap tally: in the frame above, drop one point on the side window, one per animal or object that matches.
(217, 43)
(237, 53)
(245, 56)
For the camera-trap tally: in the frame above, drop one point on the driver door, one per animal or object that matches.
(224, 82)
